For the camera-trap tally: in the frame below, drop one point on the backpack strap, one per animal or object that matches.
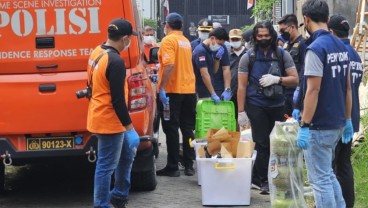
(280, 56)
(252, 60)
(89, 82)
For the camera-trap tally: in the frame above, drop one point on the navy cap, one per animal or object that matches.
(338, 22)
(120, 27)
(205, 25)
(174, 19)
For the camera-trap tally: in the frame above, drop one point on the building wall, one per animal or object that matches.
(342, 7)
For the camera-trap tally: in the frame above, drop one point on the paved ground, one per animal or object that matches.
(70, 184)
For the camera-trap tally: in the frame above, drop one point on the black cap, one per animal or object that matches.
(120, 27)
(247, 35)
(174, 19)
(205, 25)
(339, 23)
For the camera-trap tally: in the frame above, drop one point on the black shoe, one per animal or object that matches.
(265, 189)
(118, 202)
(189, 171)
(167, 172)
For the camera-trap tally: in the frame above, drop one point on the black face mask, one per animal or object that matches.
(285, 35)
(264, 43)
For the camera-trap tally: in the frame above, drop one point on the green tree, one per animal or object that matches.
(263, 9)
(150, 22)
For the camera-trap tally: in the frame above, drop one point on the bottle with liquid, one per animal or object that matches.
(167, 112)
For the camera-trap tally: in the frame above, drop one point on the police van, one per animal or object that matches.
(45, 46)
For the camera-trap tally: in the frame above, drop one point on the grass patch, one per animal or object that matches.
(359, 161)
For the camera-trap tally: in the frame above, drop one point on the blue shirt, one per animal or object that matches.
(330, 110)
(202, 58)
(218, 79)
(356, 72)
(195, 43)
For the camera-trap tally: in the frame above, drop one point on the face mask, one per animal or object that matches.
(235, 44)
(165, 31)
(148, 40)
(264, 43)
(127, 45)
(215, 47)
(203, 35)
(286, 36)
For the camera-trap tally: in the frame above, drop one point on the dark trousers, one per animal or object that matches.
(182, 115)
(288, 107)
(344, 172)
(262, 120)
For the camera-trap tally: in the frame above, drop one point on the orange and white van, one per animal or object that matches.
(45, 45)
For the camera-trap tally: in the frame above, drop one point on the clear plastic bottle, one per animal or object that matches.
(167, 112)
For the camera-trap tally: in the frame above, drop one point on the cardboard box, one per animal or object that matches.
(226, 181)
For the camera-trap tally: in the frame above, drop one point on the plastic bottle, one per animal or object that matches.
(167, 112)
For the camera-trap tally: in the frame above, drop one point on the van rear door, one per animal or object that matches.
(45, 45)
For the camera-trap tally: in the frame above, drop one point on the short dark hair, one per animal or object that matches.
(268, 25)
(317, 10)
(115, 37)
(219, 33)
(289, 19)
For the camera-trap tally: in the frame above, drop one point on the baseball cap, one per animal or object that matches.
(205, 25)
(120, 27)
(174, 19)
(247, 35)
(235, 33)
(339, 23)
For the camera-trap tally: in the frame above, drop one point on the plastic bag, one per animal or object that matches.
(285, 174)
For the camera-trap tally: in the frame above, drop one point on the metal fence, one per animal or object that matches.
(231, 13)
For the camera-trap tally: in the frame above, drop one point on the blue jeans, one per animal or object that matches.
(114, 154)
(318, 158)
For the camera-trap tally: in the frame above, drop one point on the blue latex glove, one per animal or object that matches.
(215, 98)
(220, 52)
(132, 137)
(296, 114)
(226, 95)
(163, 97)
(347, 135)
(295, 95)
(303, 138)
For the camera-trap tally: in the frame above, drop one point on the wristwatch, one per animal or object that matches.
(280, 81)
(227, 89)
(303, 124)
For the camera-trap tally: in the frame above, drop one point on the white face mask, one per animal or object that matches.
(127, 45)
(165, 31)
(148, 40)
(215, 47)
(203, 35)
(235, 44)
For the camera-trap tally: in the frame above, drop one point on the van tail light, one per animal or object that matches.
(137, 99)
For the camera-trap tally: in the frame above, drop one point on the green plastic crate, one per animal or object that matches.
(212, 116)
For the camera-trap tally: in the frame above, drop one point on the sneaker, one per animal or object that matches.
(118, 202)
(265, 189)
(256, 184)
(189, 171)
(166, 172)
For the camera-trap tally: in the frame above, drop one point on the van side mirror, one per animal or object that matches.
(153, 55)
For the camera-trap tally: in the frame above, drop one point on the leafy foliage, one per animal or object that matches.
(150, 22)
(263, 10)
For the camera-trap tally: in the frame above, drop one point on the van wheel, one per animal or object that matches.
(145, 180)
(2, 177)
